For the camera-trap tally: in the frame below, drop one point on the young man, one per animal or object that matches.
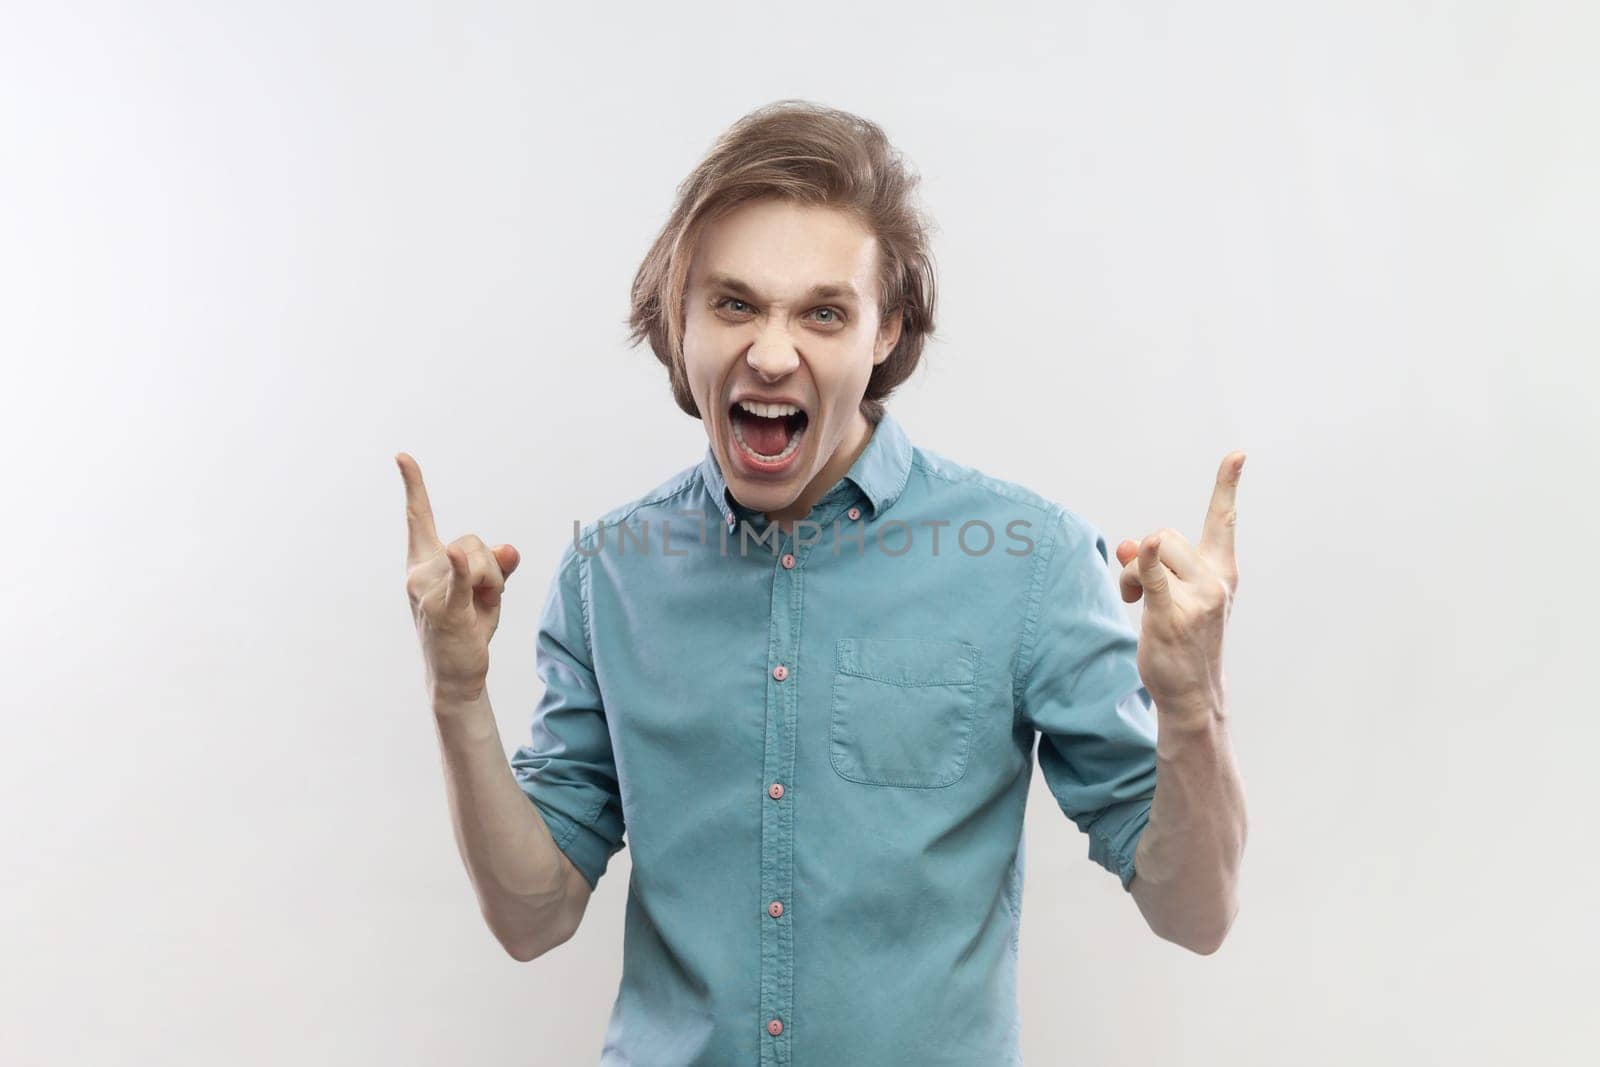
(807, 673)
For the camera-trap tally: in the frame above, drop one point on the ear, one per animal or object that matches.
(888, 337)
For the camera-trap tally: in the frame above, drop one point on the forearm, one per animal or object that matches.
(516, 868)
(1187, 860)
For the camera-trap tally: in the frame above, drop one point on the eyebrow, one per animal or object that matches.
(825, 291)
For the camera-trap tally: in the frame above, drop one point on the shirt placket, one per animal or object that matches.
(777, 824)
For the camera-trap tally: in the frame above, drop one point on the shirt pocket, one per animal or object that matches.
(903, 710)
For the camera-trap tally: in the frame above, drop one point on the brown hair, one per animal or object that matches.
(796, 150)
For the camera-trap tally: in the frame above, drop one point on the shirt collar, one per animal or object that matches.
(879, 472)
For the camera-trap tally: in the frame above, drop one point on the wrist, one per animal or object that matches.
(1192, 713)
(455, 700)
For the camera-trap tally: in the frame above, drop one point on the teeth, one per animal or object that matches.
(768, 411)
(794, 443)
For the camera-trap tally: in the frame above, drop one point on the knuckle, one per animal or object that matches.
(1217, 601)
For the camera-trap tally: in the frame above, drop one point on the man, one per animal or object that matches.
(807, 673)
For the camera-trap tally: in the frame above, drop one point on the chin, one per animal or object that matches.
(769, 493)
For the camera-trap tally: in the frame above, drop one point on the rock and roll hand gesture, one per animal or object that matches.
(454, 591)
(1188, 591)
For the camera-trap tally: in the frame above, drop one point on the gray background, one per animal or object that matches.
(250, 251)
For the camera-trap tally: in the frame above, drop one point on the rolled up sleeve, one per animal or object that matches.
(567, 769)
(1078, 686)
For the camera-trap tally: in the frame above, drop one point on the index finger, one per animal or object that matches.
(422, 538)
(1216, 538)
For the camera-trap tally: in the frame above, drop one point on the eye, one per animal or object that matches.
(739, 307)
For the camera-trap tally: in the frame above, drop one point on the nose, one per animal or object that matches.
(772, 356)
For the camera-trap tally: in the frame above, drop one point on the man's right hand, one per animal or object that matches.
(454, 591)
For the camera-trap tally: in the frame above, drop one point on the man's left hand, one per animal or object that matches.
(1188, 591)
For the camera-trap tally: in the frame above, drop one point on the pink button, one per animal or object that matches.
(780, 672)
(775, 909)
(775, 1027)
(854, 513)
(788, 560)
(729, 518)
(775, 790)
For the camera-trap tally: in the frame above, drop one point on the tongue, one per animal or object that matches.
(767, 436)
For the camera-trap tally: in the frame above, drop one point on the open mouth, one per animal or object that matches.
(767, 440)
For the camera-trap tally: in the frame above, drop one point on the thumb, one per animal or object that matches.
(508, 558)
(1127, 548)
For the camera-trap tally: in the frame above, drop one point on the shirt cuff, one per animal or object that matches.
(587, 849)
(1114, 835)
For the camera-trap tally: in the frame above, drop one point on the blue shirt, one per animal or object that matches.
(820, 746)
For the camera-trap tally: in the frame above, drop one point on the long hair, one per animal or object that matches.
(805, 152)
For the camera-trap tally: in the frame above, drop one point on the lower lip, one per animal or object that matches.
(751, 463)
